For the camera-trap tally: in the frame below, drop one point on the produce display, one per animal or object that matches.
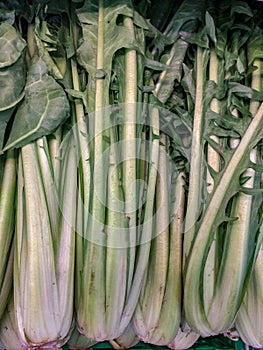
(130, 172)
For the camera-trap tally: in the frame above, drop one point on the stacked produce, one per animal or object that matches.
(131, 172)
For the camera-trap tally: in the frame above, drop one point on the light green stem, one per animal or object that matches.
(129, 148)
(194, 305)
(196, 161)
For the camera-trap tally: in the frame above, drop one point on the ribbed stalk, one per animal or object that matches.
(9, 334)
(147, 225)
(129, 149)
(154, 289)
(83, 199)
(91, 313)
(170, 316)
(249, 318)
(7, 200)
(193, 280)
(213, 160)
(196, 161)
(34, 278)
(231, 278)
(117, 242)
(44, 268)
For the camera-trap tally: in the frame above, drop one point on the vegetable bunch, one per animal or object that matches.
(130, 172)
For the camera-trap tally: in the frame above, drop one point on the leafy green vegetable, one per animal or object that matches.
(44, 108)
(12, 84)
(11, 43)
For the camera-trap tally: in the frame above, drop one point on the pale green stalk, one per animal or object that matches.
(231, 278)
(84, 189)
(48, 181)
(249, 317)
(54, 151)
(44, 246)
(122, 230)
(129, 149)
(196, 161)
(117, 241)
(35, 287)
(147, 226)
(152, 295)
(7, 200)
(170, 315)
(44, 269)
(193, 300)
(143, 166)
(213, 160)
(92, 317)
(9, 334)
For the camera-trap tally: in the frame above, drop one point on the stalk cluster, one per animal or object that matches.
(130, 172)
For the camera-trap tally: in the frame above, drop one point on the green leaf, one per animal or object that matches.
(174, 60)
(11, 43)
(12, 83)
(199, 38)
(188, 81)
(7, 16)
(186, 18)
(44, 108)
(155, 65)
(210, 27)
(241, 7)
(245, 91)
(255, 45)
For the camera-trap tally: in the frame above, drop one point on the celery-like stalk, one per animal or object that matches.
(7, 200)
(194, 304)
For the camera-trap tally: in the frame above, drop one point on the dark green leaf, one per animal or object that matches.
(7, 16)
(11, 43)
(155, 65)
(245, 91)
(241, 7)
(186, 18)
(255, 45)
(44, 108)
(12, 83)
(199, 39)
(175, 62)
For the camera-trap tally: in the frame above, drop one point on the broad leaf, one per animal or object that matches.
(186, 18)
(44, 108)
(12, 83)
(11, 43)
